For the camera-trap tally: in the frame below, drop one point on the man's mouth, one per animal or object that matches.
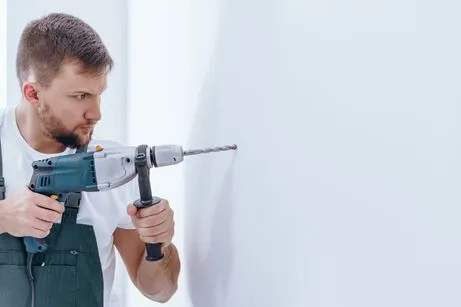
(87, 128)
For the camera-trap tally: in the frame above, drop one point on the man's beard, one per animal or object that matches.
(57, 131)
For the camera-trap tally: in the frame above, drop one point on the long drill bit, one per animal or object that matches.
(208, 150)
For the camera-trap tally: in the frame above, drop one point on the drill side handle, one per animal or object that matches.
(153, 250)
(35, 245)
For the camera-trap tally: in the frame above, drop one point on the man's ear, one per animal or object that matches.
(30, 91)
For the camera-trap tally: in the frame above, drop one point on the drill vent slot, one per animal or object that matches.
(45, 181)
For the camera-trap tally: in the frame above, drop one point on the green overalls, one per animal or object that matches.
(67, 274)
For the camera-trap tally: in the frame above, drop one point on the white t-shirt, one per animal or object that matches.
(104, 210)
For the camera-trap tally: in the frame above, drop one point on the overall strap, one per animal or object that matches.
(2, 180)
(72, 201)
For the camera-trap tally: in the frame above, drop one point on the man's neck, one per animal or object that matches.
(33, 132)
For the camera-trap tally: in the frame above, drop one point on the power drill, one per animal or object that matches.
(102, 170)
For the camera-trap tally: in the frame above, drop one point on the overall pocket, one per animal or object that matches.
(55, 279)
(14, 286)
(55, 285)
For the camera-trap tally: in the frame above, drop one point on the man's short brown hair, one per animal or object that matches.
(54, 39)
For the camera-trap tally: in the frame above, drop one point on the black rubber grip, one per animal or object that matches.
(153, 250)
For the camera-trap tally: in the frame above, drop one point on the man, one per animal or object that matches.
(62, 67)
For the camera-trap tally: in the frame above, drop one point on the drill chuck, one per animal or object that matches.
(164, 155)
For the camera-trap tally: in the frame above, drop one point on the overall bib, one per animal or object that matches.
(67, 274)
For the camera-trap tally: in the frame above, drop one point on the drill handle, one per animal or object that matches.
(35, 245)
(153, 250)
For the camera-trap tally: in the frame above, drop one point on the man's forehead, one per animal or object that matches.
(72, 75)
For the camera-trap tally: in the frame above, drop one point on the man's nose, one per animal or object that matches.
(94, 111)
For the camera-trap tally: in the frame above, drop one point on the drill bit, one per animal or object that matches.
(207, 150)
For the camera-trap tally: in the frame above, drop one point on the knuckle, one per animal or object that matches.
(54, 205)
(159, 207)
(152, 220)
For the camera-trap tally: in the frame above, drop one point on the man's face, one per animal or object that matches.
(70, 107)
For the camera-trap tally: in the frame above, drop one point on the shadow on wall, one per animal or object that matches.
(209, 202)
(209, 205)
(210, 260)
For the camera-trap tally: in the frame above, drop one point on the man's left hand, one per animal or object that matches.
(154, 224)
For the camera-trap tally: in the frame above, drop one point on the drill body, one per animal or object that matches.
(101, 170)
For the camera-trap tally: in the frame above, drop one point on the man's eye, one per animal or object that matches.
(81, 96)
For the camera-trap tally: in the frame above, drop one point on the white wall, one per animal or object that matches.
(112, 29)
(158, 95)
(345, 189)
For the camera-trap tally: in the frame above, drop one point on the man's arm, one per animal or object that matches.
(156, 280)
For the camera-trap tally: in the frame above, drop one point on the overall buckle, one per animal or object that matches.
(2, 188)
(72, 199)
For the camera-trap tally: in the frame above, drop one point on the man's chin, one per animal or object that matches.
(84, 139)
(74, 141)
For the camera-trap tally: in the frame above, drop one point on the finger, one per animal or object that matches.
(153, 210)
(41, 225)
(48, 203)
(155, 220)
(156, 230)
(164, 238)
(131, 210)
(46, 214)
(37, 233)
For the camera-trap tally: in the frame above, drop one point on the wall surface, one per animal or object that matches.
(345, 189)
(159, 68)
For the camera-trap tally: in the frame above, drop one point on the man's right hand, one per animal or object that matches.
(29, 214)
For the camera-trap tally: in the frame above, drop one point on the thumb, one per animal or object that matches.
(131, 210)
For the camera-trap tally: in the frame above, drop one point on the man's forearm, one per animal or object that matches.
(158, 280)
